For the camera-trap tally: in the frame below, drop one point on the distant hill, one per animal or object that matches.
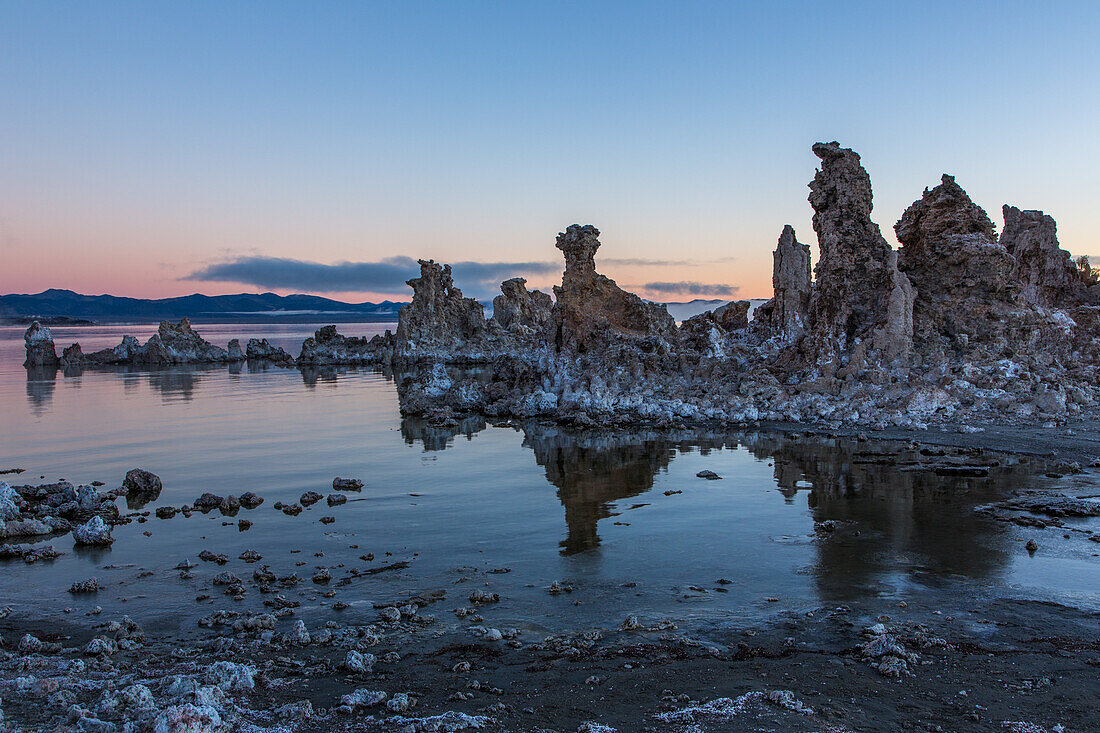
(64, 307)
(683, 311)
(262, 307)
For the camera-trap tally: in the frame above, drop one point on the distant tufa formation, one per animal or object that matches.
(957, 325)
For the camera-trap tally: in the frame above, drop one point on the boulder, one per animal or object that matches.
(260, 349)
(122, 354)
(9, 502)
(702, 332)
(72, 357)
(327, 346)
(40, 347)
(94, 532)
(140, 481)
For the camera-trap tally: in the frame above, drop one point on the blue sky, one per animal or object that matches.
(144, 142)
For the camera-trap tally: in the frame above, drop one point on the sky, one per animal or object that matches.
(160, 149)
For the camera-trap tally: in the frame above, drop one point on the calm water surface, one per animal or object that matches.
(535, 504)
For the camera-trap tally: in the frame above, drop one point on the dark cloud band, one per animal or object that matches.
(690, 287)
(384, 276)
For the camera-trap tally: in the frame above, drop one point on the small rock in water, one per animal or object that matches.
(337, 499)
(250, 500)
(91, 585)
(310, 498)
(347, 484)
(208, 501)
(1031, 546)
(94, 532)
(708, 475)
(481, 596)
(142, 482)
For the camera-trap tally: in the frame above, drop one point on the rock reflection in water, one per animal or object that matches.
(882, 508)
(41, 382)
(440, 433)
(594, 469)
(176, 383)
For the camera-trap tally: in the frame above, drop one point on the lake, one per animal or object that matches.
(797, 521)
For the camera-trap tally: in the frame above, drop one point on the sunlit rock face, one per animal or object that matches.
(785, 314)
(1046, 273)
(591, 311)
(861, 308)
(177, 343)
(521, 312)
(963, 276)
(439, 320)
(40, 347)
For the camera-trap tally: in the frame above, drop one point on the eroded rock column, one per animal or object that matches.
(861, 308)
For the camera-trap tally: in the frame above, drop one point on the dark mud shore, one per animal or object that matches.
(444, 663)
(976, 669)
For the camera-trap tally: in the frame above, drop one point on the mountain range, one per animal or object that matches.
(265, 307)
(66, 305)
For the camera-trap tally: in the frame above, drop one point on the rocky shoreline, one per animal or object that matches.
(444, 659)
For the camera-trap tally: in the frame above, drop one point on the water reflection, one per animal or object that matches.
(41, 382)
(592, 470)
(179, 383)
(437, 434)
(883, 513)
(880, 509)
(891, 511)
(173, 383)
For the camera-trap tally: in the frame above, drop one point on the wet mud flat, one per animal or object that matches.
(1004, 665)
(427, 654)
